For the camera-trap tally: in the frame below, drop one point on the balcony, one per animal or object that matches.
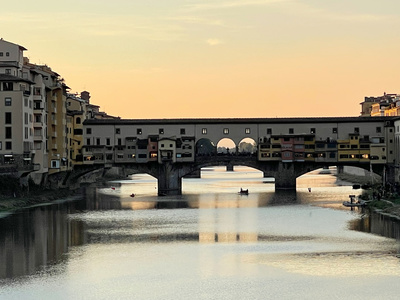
(38, 124)
(39, 106)
(38, 137)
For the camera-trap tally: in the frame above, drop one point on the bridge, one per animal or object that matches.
(284, 148)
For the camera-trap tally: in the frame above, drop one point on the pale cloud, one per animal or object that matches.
(214, 42)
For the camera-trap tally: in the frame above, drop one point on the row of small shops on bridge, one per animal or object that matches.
(285, 148)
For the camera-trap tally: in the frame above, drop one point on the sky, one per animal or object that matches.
(143, 59)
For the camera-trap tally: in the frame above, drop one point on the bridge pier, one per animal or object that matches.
(285, 178)
(169, 180)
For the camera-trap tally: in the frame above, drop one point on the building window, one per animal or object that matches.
(269, 130)
(1, 146)
(88, 142)
(98, 141)
(247, 131)
(356, 130)
(117, 130)
(8, 86)
(108, 141)
(139, 131)
(291, 130)
(161, 130)
(7, 101)
(119, 142)
(334, 130)
(78, 120)
(183, 131)
(7, 53)
(226, 130)
(1, 53)
(378, 129)
(8, 133)
(204, 131)
(37, 91)
(8, 71)
(312, 130)
(88, 130)
(8, 118)
(8, 145)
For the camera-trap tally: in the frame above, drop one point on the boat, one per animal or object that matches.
(243, 192)
(360, 203)
(354, 203)
(132, 195)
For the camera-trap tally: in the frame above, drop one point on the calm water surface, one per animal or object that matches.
(209, 243)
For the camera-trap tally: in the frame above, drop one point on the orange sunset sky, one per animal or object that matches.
(214, 58)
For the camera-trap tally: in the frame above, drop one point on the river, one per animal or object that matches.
(209, 243)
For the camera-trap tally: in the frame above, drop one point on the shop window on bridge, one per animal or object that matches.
(354, 146)
(265, 154)
(321, 154)
(9, 159)
(276, 154)
(142, 155)
(153, 155)
(344, 156)
(320, 145)
(109, 156)
(308, 138)
(132, 155)
(99, 156)
(332, 155)
(120, 156)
